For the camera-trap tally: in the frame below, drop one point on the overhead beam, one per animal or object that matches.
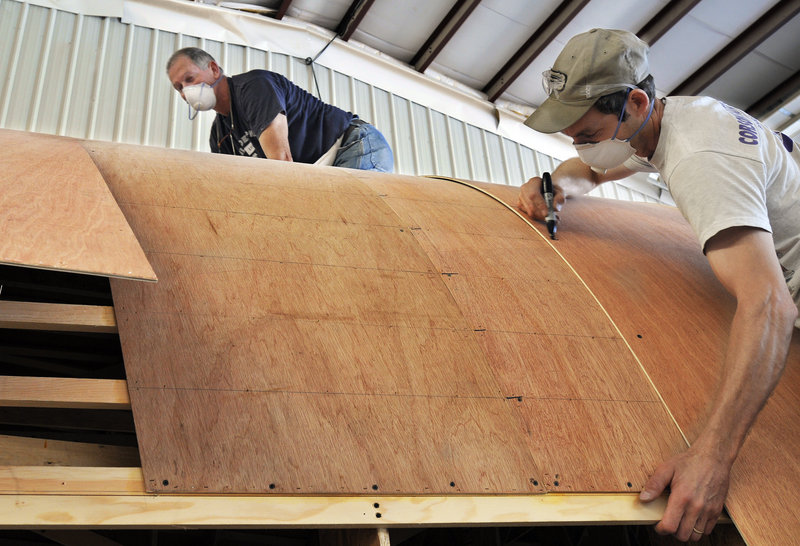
(665, 19)
(443, 33)
(774, 99)
(58, 317)
(282, 9)
(58, 392)
(355, 13)
(743, 44)
(540, 39)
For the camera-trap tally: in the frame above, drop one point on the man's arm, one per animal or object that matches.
(572, 177)
(274, 139)
(744, 261)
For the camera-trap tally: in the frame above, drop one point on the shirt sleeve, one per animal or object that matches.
(258, 102)
(717, 191)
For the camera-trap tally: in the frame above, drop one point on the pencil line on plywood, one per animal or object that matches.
(386, 325)
(434, 271)
(261, 214)
(317, 219)
(520, 397)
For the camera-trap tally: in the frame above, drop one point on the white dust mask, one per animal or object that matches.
(201, 97)
(611, 153)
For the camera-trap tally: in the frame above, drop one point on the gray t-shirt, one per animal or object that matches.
(725, 169)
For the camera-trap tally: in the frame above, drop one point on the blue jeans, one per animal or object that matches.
(364, 147)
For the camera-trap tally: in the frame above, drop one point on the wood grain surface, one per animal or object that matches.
(327, 331)
(646, 267)
(57, 213)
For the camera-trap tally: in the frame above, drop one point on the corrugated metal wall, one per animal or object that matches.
(98, 78)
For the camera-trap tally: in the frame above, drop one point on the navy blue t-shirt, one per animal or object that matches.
(260, 95)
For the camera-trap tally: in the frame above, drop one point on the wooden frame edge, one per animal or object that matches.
(58, 317)
(58, 392)
(75, 497)
(19, 511)
(97, 497)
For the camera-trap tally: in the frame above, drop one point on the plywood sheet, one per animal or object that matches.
(323, 331)
(675, 314)
(338, 443)
(57, 213)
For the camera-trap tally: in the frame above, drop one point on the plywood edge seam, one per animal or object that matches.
(58, 317)
(57, 392)
(583, 282)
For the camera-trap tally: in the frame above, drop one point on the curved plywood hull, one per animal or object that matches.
(321, 331)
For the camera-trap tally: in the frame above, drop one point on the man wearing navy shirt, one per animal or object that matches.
(262, 114)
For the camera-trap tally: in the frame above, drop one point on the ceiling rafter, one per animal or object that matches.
(446, 30)
(540, 39)
(355, 13)
(743, 44)
(282, 9)
(665, 19)
(774, 99)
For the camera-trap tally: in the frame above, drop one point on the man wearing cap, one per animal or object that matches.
(262, 114)
(738, 185)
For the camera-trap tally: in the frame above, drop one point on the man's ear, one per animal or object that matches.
(638, 101)
(215, 69)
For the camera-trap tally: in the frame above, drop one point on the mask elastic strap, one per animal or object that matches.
(649, 113)
(621, 114)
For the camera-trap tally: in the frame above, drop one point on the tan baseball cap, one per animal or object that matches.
(591, 65)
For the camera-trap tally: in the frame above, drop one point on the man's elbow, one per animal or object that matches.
(794, 313)
(771, 304)
(788, 308)
(778, 305)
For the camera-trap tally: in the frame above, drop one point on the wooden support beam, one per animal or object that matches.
(355, 13)
(785, 92)
(19, 450)
(57, 317)
(446, 30)
(83, 490)
(665, 19)
(54, 392)
(208, 511)
(282, 9)
(540, 39)
(743, 44)
(74, 480)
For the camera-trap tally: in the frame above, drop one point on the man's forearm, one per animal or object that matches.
(757, 348)
(574, 177)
